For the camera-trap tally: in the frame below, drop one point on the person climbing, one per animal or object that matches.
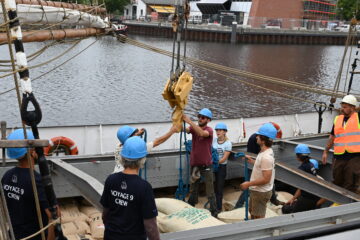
(302, 200)
(19, 195)
(201, 157)
(263, 173)
(345, 136)
(126, 131)
(223, 147)
(128, 200)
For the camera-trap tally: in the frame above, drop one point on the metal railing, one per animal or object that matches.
(213, 21)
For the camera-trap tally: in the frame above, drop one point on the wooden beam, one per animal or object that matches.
(24, 143)
(45, 35)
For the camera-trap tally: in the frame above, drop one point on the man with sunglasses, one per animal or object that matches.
(201, 157)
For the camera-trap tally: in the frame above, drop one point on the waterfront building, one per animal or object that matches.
(292, 14)
(149, 10)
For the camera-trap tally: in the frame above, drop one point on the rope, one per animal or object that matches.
(31, 169)
(37, 53)
(50, 26)
(63, 63)
(44, 63)
(42, 230)
(205, 65)
(338, 78)
(187, 162)
(145, 164)
(180, 191)
(209, 65)
(8, 22)
(44, 13)
(348, 65)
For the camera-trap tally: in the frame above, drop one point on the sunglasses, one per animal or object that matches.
(202, 117)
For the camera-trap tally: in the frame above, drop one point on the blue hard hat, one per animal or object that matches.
(267, 130)
(134, 148)
(206, 112)
(302, 149)
(18, 134)
(315, 163)
(124, 133)
(221, 126)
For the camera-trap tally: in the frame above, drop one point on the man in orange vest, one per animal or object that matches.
(345, 137)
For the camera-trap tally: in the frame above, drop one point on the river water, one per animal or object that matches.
(113, 82)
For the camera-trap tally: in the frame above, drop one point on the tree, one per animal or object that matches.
(116, 6)
(346, 9)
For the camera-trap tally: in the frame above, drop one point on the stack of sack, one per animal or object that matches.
(238, 215)
(81, 223)
(175, 215)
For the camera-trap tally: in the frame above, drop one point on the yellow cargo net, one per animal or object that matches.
(177, 93)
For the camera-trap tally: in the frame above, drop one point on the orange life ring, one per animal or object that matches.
(279, 132)
(65, 143)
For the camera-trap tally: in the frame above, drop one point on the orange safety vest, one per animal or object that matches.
(347, 137)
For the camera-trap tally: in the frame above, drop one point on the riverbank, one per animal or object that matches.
(217, 33)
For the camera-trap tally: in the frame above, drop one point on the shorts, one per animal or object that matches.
(258, 201)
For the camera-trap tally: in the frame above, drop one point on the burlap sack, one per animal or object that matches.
(160, 214)
(72, 216)
(79, 237)
(70, 213)
(78, 227)
(97, 227)
(284, 196)
(170, 205)
(89, 210)
(238, 215)
(233, 216)
(276, 209)
(73, 237)
(187, 219)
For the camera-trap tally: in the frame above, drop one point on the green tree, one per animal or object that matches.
(347, 8)
(116, 6)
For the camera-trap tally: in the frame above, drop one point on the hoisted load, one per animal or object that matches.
(179, 84)
(177, 95)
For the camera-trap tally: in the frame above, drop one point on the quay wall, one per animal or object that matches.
(243, 35)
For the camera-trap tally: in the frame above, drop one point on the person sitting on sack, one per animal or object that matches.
(302, 200)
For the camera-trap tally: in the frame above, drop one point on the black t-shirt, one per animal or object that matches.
(252, 145)
(129, 200)
(309, 168)
(346, 155)
(21, 203)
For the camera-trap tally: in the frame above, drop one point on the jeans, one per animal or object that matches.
(220, 176)
(206, 172)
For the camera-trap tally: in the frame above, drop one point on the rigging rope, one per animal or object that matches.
(42, 230)
(338, 78)
(44, 63)
(50, 26)
(56, 67)
(213, 66)
(348, 65)
(31, 169)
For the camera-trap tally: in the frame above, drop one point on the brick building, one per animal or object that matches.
(291, 13)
